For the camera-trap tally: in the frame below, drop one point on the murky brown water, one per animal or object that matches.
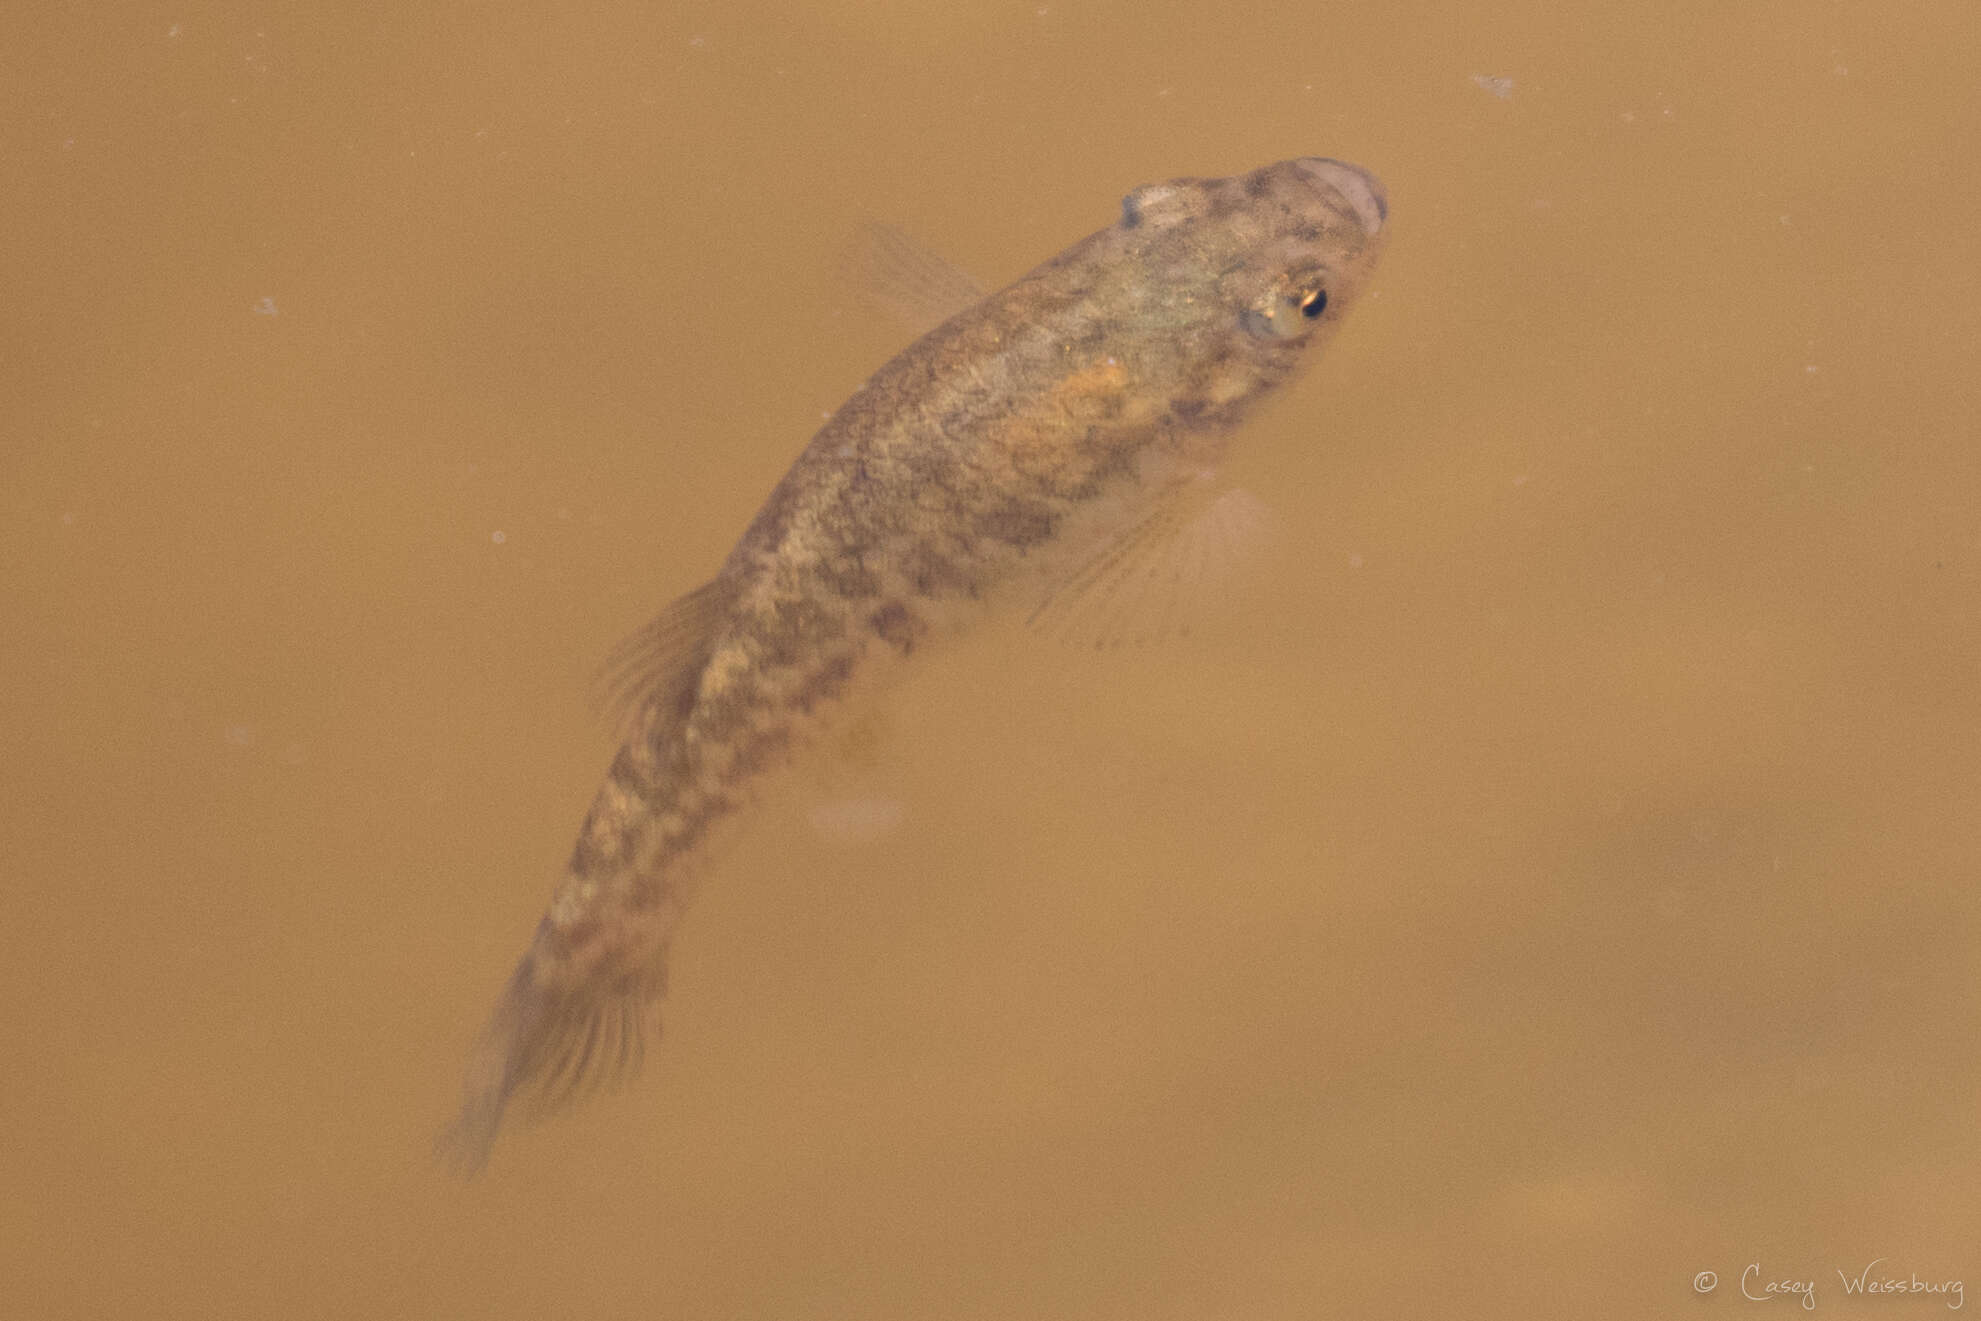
(1550, 878)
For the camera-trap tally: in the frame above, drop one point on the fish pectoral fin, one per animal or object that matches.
(654, 672)
(900, 277)
(1158, 576)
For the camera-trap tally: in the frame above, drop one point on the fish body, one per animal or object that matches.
(1042, 442)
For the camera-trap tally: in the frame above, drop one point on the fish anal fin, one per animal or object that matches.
(898, 276)
(653, 673)
(1159, 575)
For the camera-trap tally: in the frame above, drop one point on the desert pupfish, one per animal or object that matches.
(1054, 443)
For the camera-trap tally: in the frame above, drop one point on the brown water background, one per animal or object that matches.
(1551, 875)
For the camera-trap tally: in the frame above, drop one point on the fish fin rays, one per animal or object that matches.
(1157, 577)
(544, 1047)
(898, 276)
(656, 669)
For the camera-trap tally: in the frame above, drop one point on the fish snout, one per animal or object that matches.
(1361, 190)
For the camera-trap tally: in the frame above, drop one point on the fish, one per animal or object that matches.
(1051, 449)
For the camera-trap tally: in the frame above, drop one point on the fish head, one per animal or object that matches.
(1218, 290)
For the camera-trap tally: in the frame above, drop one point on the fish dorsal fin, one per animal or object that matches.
(1160, 574)
(899, 276)
(656, 669)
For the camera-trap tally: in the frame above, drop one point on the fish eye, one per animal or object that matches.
(1284, 315)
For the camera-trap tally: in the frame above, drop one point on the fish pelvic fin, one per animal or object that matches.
(552, 1039)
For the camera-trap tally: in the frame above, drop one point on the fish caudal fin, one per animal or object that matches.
(549, 1041)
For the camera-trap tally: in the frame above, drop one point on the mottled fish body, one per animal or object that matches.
(1044, 444)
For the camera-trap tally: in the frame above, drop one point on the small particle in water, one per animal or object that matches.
(295, 754)
(265, 307)
(68, 518)
(498, 537)
(241, 736)
(1355, 560)
(1812, 369)
(172, 31)
(698, 42)
(856, 820)
(1498, 86)
(1522, 479)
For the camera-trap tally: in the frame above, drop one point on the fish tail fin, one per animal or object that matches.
(552, 1038)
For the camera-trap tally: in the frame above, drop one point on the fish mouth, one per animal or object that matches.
(1362, 190)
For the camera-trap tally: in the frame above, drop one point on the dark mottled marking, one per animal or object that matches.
(587, 856)
(761, 752)
(824, 684)
(929, 573)
(898, 626)
(1018, 523)
(848, 576)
